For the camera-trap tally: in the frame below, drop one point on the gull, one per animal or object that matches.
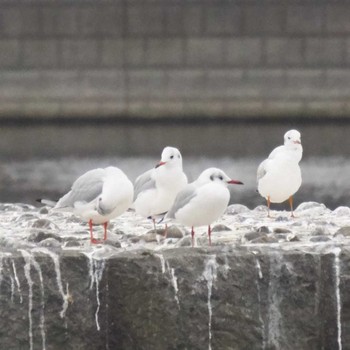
(98, 196)
(279, 176)
(202, 201)
(156, 189)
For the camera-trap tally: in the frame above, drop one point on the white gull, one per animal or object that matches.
(279, 176)
(203, 201)
(156, 189)
(98, 196)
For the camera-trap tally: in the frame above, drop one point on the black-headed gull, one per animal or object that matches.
(202, 201)
(156, 189)
(98, 196)
(279, 176)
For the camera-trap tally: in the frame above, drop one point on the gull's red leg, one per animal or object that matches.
(192, 235)
(291, 206)
(209, 234)
(92, 239)
(105, 230)
(268, 206)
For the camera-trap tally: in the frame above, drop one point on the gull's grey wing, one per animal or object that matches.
(144, 182)
(182, 199)
(261, 170)
(85, 189)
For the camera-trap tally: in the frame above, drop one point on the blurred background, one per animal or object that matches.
(89, 83)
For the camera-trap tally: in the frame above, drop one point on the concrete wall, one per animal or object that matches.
(174, 57)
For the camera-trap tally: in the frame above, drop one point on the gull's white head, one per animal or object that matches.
(216, 175)
(292, 138)
(171, 157)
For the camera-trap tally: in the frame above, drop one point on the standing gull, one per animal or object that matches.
(203, 201)
(98, 196)
(279, 176)
(156, 189)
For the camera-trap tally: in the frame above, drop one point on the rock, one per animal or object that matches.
(264, 229)
(72, 244)
(174, 232)
(309, 205)
(294, 238)
(342, 211)
(220, 228)
(235, 209)
(265, 239)
(282, 218)
(261, 209)
(50, 243)
(44, 210)
(113, 243)
(343, 231)
(319, 231)
(151, 236)
(37, 237)
(252, 235)
(320, 239)
(44, 224)
(184, 242)
(281, 237)
(312, 209)
(281, 230)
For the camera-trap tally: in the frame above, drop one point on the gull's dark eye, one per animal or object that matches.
(220, 177)
(171, 157)
(288, 137)
(212, 177)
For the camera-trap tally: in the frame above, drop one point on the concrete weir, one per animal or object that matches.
(129, 303)
(266, 283)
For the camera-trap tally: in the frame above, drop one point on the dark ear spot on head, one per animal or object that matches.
(212, 177)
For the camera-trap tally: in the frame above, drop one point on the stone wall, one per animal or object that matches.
(123, 58)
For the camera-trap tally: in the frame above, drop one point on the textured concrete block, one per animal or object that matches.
(60, 84)
(193, 19)
(305, 18)
(103, 84)
(264, 18)
(11, 21)
(174, 19)
(225, 18)
(338, 79)
(146, 83)
(30, 20)
(284, 51)
(40, 53)
(79, 53)
(59, 20)
(164, 51)
(304, 83)
(112, 52)
(337, 18)
(185, 83)
(144, 19)
(243, 51)
(134, 51)
(265, 82)
(9, 53)
(20, 84)
(101, 20)
(347, 51)
(224, 83)
(325, 51)
(205, 52)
